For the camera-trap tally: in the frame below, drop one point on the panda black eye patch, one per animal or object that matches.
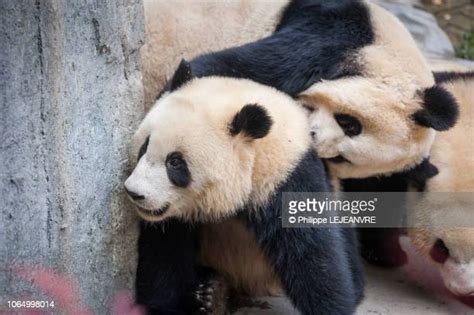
(143, 148)
(308, 108)
(349, 124)
(177, 169)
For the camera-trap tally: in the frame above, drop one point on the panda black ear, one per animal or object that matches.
(440, 109)
(182, 75)
(252, 120)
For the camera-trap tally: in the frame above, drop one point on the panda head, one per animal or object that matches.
(364, 128)
(211, 146)
(446, 241)
(451, 250)
(383, 119)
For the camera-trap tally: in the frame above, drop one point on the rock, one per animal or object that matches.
(430, 38)
(72, 97)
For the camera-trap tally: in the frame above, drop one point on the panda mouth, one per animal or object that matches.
(155, 212)
(338, 160)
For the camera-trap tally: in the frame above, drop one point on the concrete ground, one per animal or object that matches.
(388, 292)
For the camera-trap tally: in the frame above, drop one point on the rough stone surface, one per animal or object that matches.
(71, 96)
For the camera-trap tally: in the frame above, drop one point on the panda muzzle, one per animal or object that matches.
(154, 212)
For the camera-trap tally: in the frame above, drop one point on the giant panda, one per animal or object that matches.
(222, 150)
(449, 168)
(354, 66)
(446, 238)
(372, 100)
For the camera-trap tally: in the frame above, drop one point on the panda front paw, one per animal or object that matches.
(211, 295)
(205, 298)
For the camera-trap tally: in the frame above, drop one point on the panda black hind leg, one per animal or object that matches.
(166, 271)
(212, 293)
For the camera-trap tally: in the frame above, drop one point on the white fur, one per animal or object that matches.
(458, 277)
(390, 139)
(186, 28)
(383, 99)
(451, 216)
(227, 171)
(393, 64)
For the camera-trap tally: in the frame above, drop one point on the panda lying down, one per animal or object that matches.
(222, 151)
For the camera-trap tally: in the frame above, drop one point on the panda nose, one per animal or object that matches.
(134, 195)
(313, 134)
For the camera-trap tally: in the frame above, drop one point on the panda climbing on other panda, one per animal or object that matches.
(222, 151)
(358, 71)
(371, 96)
(318, 45)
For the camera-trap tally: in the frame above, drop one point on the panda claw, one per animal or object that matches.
(210, 290)
(210, 296)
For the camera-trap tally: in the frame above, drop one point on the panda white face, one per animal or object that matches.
(452, 251)
(365, 128)
(213, 145)
(186, 163)
(362, 130)
(382, 121)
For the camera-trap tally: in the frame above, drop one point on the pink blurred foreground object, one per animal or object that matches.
(65, 294)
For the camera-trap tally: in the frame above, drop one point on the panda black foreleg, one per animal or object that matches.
(166, 271)
(312, 265)
(212, 292)
(357, 268)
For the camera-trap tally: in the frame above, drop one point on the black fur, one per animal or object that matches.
(212, 294)
(380, 246)
(318, 268)
(451, 76)
(315, 40)
(143, 148)
(177, 170)
(420, 174)
(349, 124)
(440, 109)
(182, 75)
(166, 267)
(416, 176)
(357, 269)
(252, 120)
